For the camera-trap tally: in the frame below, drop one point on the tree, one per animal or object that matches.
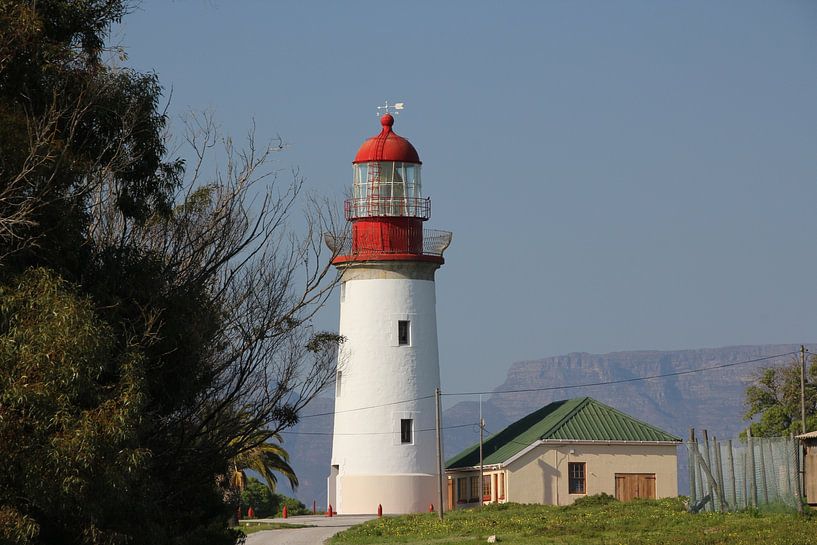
(266, 459)
(266, 503)
(774, 397)
(154, 315)
(258, 496)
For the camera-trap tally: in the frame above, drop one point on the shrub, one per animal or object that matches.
(294, 507)
(595, 499)
(258, 496)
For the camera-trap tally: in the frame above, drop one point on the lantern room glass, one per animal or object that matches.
(387, 180)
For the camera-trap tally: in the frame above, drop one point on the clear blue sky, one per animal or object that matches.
(617, 175)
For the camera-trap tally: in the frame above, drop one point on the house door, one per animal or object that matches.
(630, 486)
(451, 494)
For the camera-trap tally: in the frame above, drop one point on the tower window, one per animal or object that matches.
(405, 430)
(337, 383)
(403, 332)
(342, 292)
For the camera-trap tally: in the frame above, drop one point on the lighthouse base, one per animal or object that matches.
(398, 494)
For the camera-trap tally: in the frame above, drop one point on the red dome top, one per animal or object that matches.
(387, 146)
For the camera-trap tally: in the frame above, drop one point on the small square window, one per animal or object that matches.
(405, 430)
(403, 332)
(576, 478)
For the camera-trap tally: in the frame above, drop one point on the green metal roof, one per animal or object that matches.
(578, 419)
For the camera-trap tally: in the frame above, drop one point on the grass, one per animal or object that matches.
(252, 527)
(640, 522)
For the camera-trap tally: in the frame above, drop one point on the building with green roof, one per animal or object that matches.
(563, 451)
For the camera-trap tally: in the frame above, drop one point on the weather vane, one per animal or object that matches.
(396, 107)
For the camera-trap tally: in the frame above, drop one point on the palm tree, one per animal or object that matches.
(267, 459)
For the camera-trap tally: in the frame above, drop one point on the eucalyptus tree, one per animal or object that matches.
(154, 314)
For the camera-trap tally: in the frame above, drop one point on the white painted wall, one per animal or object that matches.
(377, 371)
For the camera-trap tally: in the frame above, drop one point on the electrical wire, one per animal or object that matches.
(367, 408)
(564, 387)
(624, 380)
(371, 433)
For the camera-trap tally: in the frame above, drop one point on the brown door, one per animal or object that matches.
(451, 494)
(630, 486)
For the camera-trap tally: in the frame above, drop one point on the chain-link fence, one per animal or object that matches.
(760, 472)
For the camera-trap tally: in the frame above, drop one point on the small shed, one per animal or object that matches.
(563, 451)
(809, 441)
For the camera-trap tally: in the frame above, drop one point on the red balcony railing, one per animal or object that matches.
(434, 243)
(379, 207)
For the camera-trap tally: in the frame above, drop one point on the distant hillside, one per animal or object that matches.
(712, 400)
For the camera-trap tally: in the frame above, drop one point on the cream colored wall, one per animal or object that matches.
(540, 476)
(361, 494)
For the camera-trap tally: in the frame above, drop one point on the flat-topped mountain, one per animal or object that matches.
(686, 396)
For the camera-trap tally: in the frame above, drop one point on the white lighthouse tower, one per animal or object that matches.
(384, 443)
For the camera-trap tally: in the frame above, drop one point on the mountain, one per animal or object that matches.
(685, 397)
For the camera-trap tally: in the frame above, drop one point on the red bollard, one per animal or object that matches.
(250, 513)
(379, 510)
(330, 513)
(430, 507)
(314, 507)
(284, 512)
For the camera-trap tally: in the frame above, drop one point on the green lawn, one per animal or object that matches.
(252, 527)
(595, 522)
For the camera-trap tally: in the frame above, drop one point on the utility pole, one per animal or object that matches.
(440, 473)
(803, 388)
(481, 471)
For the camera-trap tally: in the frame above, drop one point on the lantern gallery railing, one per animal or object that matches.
(434, 243)
(373, 207)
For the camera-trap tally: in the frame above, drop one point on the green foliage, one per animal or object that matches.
(149, 336)
(66, 438)
(258, 496)
(596, 522)
(294, 506)
(247, 528)
(595, 499)
(774, 397)
(267, 458)
(266, 503)
(68, 122)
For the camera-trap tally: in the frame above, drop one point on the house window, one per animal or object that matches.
(576, 478)
(500, 493)
(337, 383)
(405, 430)
(402, 332)
(474, 489)
(462, 490)
(486, 488)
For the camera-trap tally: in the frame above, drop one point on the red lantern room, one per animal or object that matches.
(387, 208)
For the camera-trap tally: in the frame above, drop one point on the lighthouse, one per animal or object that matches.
(384, 449)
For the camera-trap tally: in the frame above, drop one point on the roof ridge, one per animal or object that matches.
(509, 434)
(630, 417)
(564, 420)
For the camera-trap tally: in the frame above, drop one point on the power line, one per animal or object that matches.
(370, 433)
(565, 387)
(367, 408)
(624, 380)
